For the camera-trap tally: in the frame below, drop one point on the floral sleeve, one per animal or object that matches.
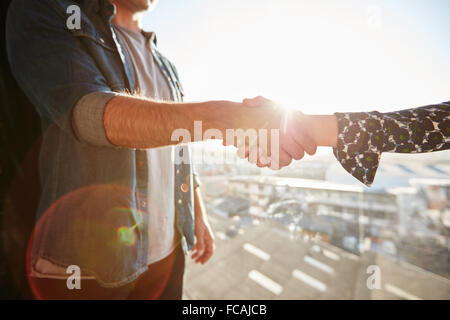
(364, 136)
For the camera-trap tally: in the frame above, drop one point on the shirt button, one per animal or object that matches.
(140, 163)
(179, 201)
(184, 187)
(143, 203)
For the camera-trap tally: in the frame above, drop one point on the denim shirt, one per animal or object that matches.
(90, 211)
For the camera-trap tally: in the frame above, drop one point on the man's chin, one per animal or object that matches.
(143, 5)
(149, 4)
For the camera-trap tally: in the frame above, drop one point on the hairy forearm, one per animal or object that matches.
(142, 123)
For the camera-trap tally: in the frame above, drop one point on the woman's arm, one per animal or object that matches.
(359, 139)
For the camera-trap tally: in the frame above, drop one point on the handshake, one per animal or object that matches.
(270, 136)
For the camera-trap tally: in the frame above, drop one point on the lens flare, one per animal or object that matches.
(126, 236)
(92, 227)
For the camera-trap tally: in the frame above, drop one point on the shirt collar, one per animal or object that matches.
(149, 36)
(107, 5)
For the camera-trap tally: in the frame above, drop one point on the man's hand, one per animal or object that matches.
(277, 151)
(204, 245)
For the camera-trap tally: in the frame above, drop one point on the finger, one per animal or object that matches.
(209, 249)
(283, 160)
(265, 144)
(263, 158)
(225, 142)
(251, 145)
(199, 259)
(301, 136)
(206, 256)
(199, 248)
(261, 164)
(242, 152)
(258, 101)
(254, 102)
(244, 146)
(197, 254)
(297, 154)
(253, 155)
(291, 146)
(305, 141)
(247, 151)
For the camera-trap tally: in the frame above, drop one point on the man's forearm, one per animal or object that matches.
(142, 123)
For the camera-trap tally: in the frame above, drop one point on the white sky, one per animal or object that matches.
(319, 56)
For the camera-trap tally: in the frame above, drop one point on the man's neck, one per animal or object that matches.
(127, 19)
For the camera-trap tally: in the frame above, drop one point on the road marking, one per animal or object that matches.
(342, 252)
(256, 251)
(312, 282)
(331, 255)
(400, 293)
(265, 282)
(327, 253)
(319, 265)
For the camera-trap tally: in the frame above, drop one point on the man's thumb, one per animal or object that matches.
(258, 101)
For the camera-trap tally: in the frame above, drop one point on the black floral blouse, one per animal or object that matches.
(363, 136)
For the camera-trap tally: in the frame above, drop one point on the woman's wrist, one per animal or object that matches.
(322, 128)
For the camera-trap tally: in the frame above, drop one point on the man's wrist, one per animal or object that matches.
(226, 115)
(211, 114)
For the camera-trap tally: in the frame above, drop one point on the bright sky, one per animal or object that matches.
(319, 56)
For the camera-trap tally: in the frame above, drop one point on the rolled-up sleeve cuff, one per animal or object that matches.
(196, 180)
(87, 118)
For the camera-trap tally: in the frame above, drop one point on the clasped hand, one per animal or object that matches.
(274, 136)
